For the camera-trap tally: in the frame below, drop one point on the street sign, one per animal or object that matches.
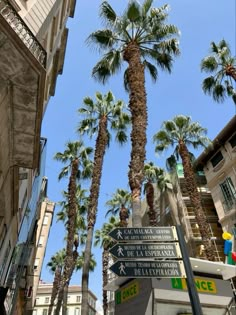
(149, 269)
(144, 234)
(146, 250)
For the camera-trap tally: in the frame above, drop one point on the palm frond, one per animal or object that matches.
(151, 69)
(133, 11)
(104, 39)
(107, 13)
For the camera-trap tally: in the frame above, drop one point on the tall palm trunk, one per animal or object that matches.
(105, 261)
(191, 186)
(65, 299)
(55, 288)
(123, 216)
(173, 207)
(162, 207)
(71, 227)
(231, 71)
(138, 109)
(64, 287)
(150, 201)
(100, 149)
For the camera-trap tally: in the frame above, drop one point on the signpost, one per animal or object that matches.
(144, 234)
(154, 243)
(146, 250)
(148, 269)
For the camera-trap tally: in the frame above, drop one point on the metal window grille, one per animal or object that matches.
(229, 193)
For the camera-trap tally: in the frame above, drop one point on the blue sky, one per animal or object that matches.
(200, 22)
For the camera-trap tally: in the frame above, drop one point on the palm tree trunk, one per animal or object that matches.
(138, 109)
(71, 227)
(162, 208)
(100, 149)
(55, 288)
(231, 71)
(173, 207)
(194, 196)
(150, 201)
(123, 216)
(65, 282)
(65, 298)
(105, 261)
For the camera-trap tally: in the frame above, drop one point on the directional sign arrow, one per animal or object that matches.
(144, 234)
(146, 250)
(148, 269)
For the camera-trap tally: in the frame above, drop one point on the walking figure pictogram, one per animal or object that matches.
(122, 268)
(120, 251)
(119, 234)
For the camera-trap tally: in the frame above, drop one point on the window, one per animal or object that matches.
(36, 263)
(45, 311)
(232, 141)
(229, 193)
(45, 220)
(41, 241)
(46, 299)
(217, 158)
(77, 311)
(78, 298)
(234, 231)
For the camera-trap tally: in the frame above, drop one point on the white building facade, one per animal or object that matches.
(74, 299)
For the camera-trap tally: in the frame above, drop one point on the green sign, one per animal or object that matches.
(144, 234)
(202, 285)
(127, 292)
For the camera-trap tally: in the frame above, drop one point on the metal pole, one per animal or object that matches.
(192, 291)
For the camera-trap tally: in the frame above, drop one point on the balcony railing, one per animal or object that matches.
(8, 12)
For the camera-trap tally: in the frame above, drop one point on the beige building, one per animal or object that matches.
(219, 165)
(73, 303)
(33, 38)
(187, 217)
(44, 222)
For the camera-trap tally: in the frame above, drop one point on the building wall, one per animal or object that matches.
(47, 19)
(73, 303)
(36, 260)
(186, 211)
(33, 39)
(221, 179)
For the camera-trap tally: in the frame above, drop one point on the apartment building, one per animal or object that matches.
(74, 299)
(21, 269)
(219, 165)
(33, 38)
(45, 217)
(187, 217)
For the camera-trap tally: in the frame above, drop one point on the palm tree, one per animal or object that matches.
(165, 186)
(223, 67)
(101, 115)
(82, 205)
(56, 265)
(106, 242)
(150, 177)
(180, 133)
(140, 36)
(120, 203)
(79, 237)
(78, 167)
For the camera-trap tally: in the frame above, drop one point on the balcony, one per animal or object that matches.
(10, 15)
(22, 81)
